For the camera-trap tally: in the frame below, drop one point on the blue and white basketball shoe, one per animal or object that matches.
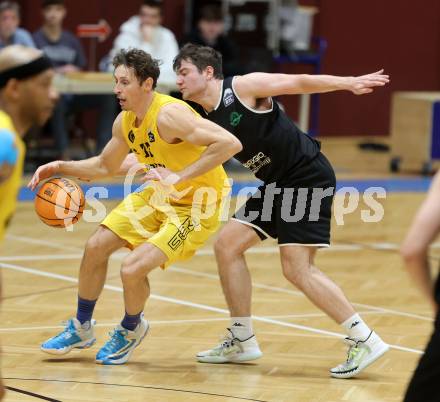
(74, 335)
(121, 344)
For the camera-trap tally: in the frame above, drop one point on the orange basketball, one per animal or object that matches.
(59, 202)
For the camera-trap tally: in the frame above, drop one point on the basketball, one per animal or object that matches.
(59, 202)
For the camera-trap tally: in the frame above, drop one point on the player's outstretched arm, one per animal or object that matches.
(423, 230)
(262, 85)
(104, 165)
(178, 123)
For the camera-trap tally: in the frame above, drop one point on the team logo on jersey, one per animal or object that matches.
(228, 97)
(131, 136)
(235, 118)
(151, 137)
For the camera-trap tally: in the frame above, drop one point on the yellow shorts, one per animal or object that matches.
(175, 229)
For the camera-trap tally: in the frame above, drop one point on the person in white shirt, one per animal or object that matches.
(144, 31)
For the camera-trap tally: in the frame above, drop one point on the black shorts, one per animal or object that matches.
(296, 212)
(423, 386)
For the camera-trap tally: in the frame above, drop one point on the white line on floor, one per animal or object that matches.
(194, 305)
(298, 293)
(119, 255)
(172, 322)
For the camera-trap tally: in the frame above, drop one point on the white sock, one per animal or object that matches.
(241, 327)
(356, 328)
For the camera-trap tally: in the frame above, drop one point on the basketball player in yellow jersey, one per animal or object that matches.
(27, 98)
(184, 153)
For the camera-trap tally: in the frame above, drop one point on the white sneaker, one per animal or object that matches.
(361, 354)
(232, 350)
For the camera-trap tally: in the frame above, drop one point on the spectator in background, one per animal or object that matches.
(144, 31)
(61, 46)
(67, 55)
(10, 33)
(210, 32)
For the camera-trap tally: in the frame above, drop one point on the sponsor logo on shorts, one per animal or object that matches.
(182, 233)
(228, 97)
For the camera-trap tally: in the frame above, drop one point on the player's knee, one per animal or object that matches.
(224, 246)
(130, 272)
(94, 245)
(295, 274)
(98, 244)
(219, 246)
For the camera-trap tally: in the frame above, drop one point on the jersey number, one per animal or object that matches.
(146, 148)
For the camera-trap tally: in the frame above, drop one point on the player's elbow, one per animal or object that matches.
(233, 146)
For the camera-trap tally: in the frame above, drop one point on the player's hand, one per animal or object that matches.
(44, 172)
(364, 84)
(163, 175)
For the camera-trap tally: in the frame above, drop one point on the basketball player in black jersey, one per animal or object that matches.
(293, 205)
(423, 386)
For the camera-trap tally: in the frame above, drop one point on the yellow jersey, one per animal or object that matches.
(10, 187)
(154, 152)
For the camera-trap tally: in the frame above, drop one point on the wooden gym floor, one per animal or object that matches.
(187, 313)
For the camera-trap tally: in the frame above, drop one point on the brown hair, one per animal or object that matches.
(153, 4)
(211, 13)
(141, 62)
(201, 57)
(10, 5)
(47, 3)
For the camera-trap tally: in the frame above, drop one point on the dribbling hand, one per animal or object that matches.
(43, 172)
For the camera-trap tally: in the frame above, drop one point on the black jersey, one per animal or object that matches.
(437, 292)
(274, 149)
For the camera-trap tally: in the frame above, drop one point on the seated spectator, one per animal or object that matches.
(10, 33)
(144, 31)
(67, 55)
(62, 47)
(210, 31)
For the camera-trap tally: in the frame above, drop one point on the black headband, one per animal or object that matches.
(25, 70)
